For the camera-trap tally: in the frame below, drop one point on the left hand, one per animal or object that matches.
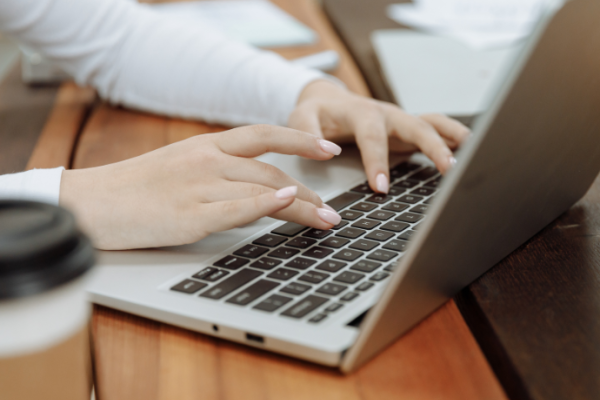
(333, 113)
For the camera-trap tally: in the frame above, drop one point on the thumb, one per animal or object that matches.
(224, 215)
(306, 120)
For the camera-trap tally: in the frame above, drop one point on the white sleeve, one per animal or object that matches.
(137, 57)
(38, 184)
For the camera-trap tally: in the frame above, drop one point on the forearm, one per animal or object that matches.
(143, 60)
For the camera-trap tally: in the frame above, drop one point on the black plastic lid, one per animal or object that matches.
(40, 248)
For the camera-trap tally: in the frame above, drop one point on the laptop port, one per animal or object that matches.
(255, 338)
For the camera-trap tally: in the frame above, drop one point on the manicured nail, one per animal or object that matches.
(328, 207)
(286, 192)
(331, 217)
(382, 183)
(330, 147)
(452, 161)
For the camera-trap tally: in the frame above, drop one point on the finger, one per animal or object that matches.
(266, 175)
(372, 140)
(306, 119)
(305, 213)
(417, 131)
(448, 128)
(224, 215)
(254, 140)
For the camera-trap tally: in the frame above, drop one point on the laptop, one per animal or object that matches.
(339, 297)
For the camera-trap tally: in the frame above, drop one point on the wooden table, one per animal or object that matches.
(136, 358)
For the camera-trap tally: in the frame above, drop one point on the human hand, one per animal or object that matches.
(331, 112)
(181, 193)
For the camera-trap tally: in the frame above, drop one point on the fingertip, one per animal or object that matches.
(286, 193)
(382, 183)
(330, 147)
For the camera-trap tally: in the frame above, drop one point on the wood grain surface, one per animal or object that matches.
(137, 358)
(23, 114)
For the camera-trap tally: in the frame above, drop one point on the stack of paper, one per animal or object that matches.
(481, 24)
(256, 22)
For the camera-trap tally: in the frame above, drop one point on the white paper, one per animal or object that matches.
(256, 22)
(481, 24)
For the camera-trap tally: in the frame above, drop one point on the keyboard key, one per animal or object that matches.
(317, 318)
(334, 242)
(366, 266)
(340, 225)
(396, 207)
(313, 277)
(381, 215)
(364, 207)
(379, 276)
(231, 262)
(382, 255)
(409, 217)
(300, 263)
(252, 292)
(348, 255)
(289, 229)
(411, 199)
(284, 252)
(272, 303)
(331, 266)
(204, 273)
(434, 183)
(406, 235)
(282, 274)
(215, 275)
(270, 240)
(349, 296)
(395, 226)
(188, 286)
(295, 288)
(396, 245)
(348, 277)
(332, 289)
(402, 169)
(350, 233)
(362, 188)
(317, 252)
(425, 173)
(364, 245)
(230, 284)
(317, 233)
(305, 306)
(391, 267)
(381, 236)
(344, 200)
(301, 242)
(351, 215)
(333, 307)
(406, 184)
(396, 191)
(379, 198)
(250, 251)
(364, 286)
(423, 191)
(421, 209)
(366, 224)
(265, 263)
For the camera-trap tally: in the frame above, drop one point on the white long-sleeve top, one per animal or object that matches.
(136, 57)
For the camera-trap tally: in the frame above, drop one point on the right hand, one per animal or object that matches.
(181, 193)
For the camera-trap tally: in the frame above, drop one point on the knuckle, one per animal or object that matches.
(263, 131)
(273, 173)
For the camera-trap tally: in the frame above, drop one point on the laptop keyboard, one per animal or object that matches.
(299, 272)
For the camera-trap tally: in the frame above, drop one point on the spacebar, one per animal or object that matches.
(343, 200)
(230, 284)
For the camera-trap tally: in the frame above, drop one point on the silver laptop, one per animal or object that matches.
(339, 297)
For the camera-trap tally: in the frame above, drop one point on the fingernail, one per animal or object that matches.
(331, 217)
(330, 147)
(452, 162)
(382, 183)
(286, 192)
(328, 207)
